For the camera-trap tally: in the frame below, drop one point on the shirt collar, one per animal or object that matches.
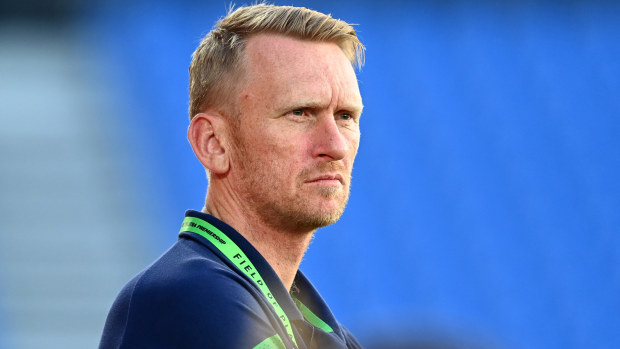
(260, 263)
(303, 290)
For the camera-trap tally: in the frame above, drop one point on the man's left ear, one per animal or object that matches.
(206, 134)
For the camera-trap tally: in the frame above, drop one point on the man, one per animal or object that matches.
(274, 109)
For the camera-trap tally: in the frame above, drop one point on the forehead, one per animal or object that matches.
(293, 67)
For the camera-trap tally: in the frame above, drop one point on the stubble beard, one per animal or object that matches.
(307, 216)
(298, 212)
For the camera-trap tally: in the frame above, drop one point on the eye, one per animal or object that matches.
(298, 115)
(345, 116)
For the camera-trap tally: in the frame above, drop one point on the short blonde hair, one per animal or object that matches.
(216, 63)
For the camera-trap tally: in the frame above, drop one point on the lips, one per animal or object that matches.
(327, 178)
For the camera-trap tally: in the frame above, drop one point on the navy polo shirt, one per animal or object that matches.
(194, 296)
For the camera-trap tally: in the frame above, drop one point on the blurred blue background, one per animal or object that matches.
(486, 197)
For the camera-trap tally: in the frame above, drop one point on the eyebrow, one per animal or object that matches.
(357, 108)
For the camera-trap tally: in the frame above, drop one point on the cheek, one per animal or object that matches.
(283, 155)
(354, 142)
(288, 143)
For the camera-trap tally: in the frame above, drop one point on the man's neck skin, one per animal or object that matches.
(283, 250)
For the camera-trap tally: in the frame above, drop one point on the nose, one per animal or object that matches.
(329, 141)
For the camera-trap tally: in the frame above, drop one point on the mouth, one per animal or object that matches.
(327, 179)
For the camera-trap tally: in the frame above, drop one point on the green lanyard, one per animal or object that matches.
(238, 258)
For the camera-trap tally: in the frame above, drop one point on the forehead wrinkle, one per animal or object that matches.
(346, 97)
(303, 90)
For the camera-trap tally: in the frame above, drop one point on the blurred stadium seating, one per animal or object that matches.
(485, 205)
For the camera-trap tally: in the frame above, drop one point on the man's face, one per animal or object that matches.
(298, 132)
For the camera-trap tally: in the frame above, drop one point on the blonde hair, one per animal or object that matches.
(216, 63)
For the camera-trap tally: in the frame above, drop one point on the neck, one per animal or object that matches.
(282, 249)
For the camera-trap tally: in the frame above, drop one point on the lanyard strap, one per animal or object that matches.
(238, 258)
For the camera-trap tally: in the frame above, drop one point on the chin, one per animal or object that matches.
(314, 222)
(322, 217)
(307, 213)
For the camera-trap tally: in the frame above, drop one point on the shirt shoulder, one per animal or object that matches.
(188, 298)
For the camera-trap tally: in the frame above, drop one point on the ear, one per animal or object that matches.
(207, 135)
